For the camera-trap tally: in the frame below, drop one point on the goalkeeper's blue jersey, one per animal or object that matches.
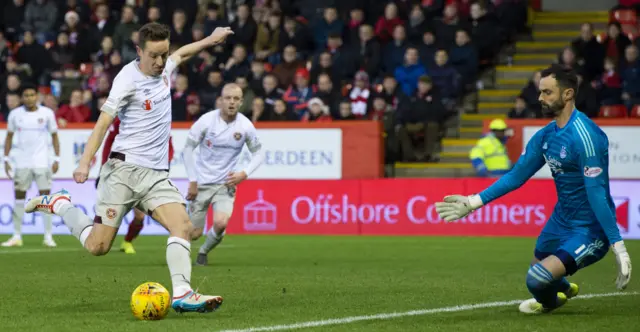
(578, 156)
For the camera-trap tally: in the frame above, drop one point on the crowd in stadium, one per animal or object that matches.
(401, 62)
(296, 60)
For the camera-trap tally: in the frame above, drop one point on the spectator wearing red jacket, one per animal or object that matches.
(388, 22)
(75, 111)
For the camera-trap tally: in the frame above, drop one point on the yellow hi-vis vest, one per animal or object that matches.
(492, 153)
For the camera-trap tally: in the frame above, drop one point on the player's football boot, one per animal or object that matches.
(127, 247)
(202, 260)
(14, 241)
(532, 307)
(48, 242)
(194, 302)
(45, 203)
(572, 291)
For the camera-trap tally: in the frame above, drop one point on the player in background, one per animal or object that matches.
(220, 136)
(583, 223)
(31, 123)
(136, 225)
(136, 174)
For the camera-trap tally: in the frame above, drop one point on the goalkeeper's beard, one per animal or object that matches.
(554, 109)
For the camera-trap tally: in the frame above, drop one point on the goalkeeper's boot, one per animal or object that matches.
(14, 241)
(46, 203)
(194, 302)
(127, 247)
(202, 260)
(532, 307)
(572, 291)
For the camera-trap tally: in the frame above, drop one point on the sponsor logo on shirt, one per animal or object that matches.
(554, 164)
(165, 98)
(146, 105)
(592, 172)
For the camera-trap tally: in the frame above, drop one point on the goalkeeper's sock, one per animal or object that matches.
(561, 285)
(541, 285)
(18, 213)
(212, 240)
(179, 262)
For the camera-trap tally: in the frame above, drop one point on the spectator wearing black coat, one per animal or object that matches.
(420, 115)
(616, 42)
(531, 93)
(368, 52)
(245, 29)
(589, 52)
(485, 32)
(394, 50)
(464, 58)
(416, 25)
(445, 78)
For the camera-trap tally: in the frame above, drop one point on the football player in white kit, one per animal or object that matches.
(30, 123)
(136, 174)
(220, 136)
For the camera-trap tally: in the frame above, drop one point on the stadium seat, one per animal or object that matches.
(635, 112)
(613, 111)
(625, 16)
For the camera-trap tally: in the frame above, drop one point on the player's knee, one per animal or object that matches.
(196, 233)
(20, 195)
(538, 278)
(220, 223)
(97, 248)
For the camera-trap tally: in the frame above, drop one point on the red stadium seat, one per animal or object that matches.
(635, 112)
(613, 111)
(625, 16)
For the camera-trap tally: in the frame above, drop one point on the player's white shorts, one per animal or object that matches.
(221, 196)
(23, 178)
(124, 186)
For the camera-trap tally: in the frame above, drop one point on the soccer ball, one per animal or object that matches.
(150, 301)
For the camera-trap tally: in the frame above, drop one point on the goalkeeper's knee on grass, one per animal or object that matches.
(541, 285)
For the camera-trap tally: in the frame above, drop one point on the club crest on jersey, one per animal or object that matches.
(208, 143)
(111, 213)
(40, 120)
(563, 153)
(166, 81)
(237, 136)
(146, 105)
(592, 172)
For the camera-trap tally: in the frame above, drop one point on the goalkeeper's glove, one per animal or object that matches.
(624, 264)
(456, 207)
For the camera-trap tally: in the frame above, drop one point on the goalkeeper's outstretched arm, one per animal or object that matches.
(528, 164)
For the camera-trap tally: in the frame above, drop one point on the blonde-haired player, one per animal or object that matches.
(136, 174)
(220, 136)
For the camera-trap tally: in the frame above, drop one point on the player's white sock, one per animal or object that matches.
(179, 262)
(18, 214)
(79, 223)
(212, 240)
(47, 225)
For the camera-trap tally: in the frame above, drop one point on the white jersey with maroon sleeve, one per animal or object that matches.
(143, 104)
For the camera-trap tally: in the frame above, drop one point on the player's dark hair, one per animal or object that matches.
(565, 76)
(28, 86)
(153, 32)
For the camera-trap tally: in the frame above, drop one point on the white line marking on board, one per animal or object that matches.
(385, 316)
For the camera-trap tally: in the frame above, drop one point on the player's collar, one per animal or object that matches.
(574, 114)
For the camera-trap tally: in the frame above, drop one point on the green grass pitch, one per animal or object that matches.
(280, 280)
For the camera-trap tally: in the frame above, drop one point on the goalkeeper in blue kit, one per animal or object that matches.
(583, 224)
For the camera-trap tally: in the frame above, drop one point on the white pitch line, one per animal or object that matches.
(385, 316)
(9, 251)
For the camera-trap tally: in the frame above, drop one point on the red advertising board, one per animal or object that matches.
(385, 207)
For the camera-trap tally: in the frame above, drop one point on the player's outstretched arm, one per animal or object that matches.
(219, 35)
(593, 156)
(456, 207)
